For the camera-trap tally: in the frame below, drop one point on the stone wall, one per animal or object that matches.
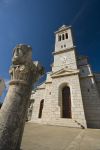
(76, 98)
(90, 93)
(91, 101)
(97, 79)
(37, 96)
(65, 59)
(47, 110)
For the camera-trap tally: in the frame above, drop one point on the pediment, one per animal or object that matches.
(64, 72)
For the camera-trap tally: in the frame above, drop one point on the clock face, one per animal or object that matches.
(63, 59)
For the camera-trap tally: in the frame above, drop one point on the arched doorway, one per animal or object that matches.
(41, 108)
(66, 102)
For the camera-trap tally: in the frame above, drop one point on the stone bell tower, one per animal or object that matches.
(63, 38)
(64, 53)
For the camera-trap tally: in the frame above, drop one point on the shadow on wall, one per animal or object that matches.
(91, 102)
(30, 110)
(0, 105)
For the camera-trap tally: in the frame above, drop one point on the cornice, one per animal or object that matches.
(64, 50)
(63, 29)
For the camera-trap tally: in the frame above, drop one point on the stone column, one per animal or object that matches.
(23, 73)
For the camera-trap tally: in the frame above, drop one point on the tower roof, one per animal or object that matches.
(62, 28)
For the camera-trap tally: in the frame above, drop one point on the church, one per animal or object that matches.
(70, 95)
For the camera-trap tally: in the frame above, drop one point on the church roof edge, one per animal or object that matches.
(62, 28)
(81, 57)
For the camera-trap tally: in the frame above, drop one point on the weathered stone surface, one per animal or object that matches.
(24, 73)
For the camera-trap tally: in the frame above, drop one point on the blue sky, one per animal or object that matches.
(33, 22)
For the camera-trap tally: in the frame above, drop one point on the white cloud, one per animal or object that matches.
(2, 96)
(5, 2)
(7, 83)
(80, 12)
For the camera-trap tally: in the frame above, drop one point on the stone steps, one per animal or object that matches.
(60, 122)
(64, 122)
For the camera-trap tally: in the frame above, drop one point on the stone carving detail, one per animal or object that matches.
(24, 72)
(22, 65)
(64, 59)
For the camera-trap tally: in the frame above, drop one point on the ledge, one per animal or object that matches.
(40, 88)
(49, 82)
(62, 75)
(88, 76)
(63, 29)
(64, 50)
(20, 82)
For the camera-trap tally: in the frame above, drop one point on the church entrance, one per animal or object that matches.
(66, 102)
(41, 108)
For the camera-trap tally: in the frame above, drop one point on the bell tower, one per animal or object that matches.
(63, 38)
(64, 53)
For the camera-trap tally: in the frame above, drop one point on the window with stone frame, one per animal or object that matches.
(66, 35)
(63, 37)
(59, 37)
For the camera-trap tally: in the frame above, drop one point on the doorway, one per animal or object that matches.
(41, 108)
(66, 102)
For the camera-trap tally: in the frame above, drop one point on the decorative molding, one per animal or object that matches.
(64, 50)
(88, 76)
(48, 82)
(61, 29)
(64, 72)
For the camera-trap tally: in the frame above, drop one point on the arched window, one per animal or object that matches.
(59, 37)
(63, 37)
(66, 102)
(41, 108)
(66, 35)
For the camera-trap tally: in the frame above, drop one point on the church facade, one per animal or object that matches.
(70, 95)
